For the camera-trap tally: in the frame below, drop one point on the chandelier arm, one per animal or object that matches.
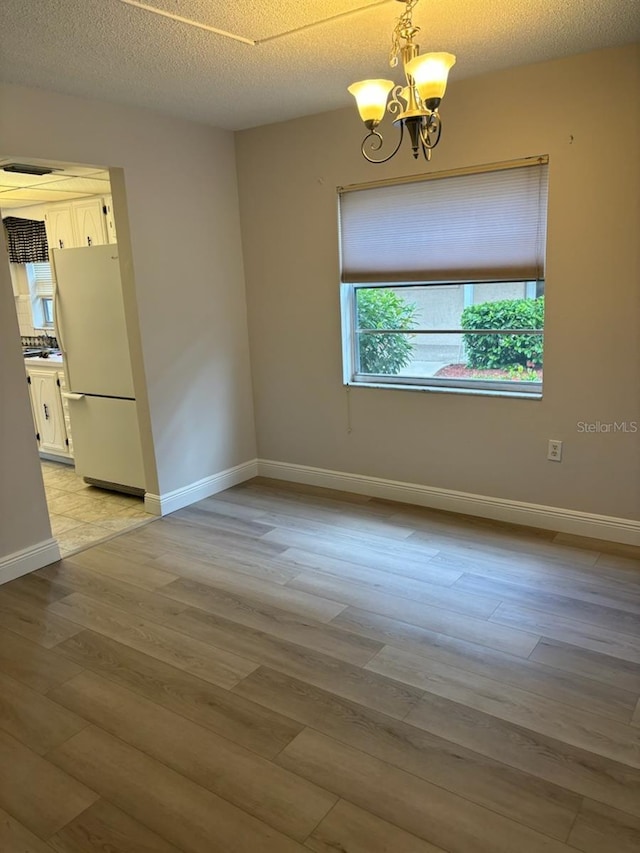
(376, 146)
(432, 126)
(395, 106)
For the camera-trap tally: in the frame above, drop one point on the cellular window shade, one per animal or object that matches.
(485, 226)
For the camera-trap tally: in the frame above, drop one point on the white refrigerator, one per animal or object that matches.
(92, 335)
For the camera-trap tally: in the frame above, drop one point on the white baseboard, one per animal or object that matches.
(28, 560)
(53, 457)
(172, 501)
(623, 530)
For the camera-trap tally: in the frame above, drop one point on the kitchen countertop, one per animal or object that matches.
(53, 360)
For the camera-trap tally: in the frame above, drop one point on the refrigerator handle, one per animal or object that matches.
(56, 317)
(56, 308)
(70, 395)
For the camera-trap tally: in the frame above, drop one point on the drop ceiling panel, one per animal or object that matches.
(69, 181)
(38, 195)
(83, 172)
(86, 186)
(15, 179)
(11, 204)
(60, 168)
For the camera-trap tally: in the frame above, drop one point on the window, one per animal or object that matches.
(47, 311)
(40, 280)
(443, 280)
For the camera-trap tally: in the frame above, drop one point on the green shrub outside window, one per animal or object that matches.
(379, 308)
(508, 350)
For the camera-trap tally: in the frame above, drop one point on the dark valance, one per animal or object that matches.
(26, 240)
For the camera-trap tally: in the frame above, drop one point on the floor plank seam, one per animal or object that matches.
(575, 820)
(100, 673)
(455, 794)
(172, 770)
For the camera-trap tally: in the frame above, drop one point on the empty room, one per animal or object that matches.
(319, 434)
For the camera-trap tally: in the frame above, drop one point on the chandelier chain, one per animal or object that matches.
(403, 23)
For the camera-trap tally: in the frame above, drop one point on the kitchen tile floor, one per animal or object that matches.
(83, 515)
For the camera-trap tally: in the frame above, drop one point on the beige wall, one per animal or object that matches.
(287, 176)
(23, 516)
(185, 252)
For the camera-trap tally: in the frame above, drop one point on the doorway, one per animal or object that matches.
(70, 204)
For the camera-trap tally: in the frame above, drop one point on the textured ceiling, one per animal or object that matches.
(118, 52)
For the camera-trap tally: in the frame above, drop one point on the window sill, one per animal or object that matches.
(433, 389)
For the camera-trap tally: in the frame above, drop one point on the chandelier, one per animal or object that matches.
(414, 105)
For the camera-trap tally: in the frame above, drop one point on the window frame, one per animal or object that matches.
(527, 389)
(47, 312)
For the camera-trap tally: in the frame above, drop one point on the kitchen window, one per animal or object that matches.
(40, 278)
(47, 311)
(443, 280)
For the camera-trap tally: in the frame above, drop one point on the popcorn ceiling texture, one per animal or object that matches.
(112, 51)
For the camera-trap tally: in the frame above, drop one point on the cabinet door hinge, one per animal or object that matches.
(66, 441)
(105, 209)
(28, 380)
(38, 437)
(58, 382)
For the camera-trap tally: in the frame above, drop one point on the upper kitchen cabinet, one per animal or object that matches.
(109, 220)
(81, 222)
(89, 221)
(59, 224)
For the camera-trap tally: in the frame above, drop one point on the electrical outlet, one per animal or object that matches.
(554, 450)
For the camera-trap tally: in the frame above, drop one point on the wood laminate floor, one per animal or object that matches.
(282, 668)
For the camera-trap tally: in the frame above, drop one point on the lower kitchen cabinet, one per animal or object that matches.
(45, 386)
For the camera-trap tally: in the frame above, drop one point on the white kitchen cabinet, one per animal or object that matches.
(80, 222)
(109, 220)
(48, 412)
(89, 222)
(59, 224)
(33, 411)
